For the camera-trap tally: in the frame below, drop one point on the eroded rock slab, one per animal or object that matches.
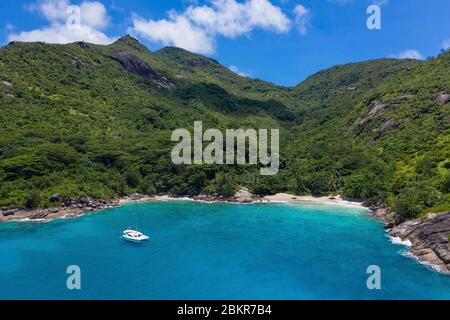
(136, 65)
(429, 237)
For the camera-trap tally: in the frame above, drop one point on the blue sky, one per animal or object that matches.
(282, 41)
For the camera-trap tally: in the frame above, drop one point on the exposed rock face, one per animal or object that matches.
(385, 214)
(7, 212)
(376, 109)
(387, 125)
(442, 97)
(136, 65)
(429, 237)
(68, 207)
(79, 64)
(204, 197)
(244, 196)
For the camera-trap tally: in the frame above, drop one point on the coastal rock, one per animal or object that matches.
(135, 196)
(385, 214)
(39, 214)
(244, 196)
(69, 201)
(429, 237)
(85, 200)
(204, 197)
(8, 213)
(73, 209)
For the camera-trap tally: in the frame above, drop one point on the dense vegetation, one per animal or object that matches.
(89, 120)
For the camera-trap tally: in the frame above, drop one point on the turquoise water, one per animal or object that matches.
(213, 251)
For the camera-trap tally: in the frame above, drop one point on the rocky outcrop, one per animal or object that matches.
(241, 196)
(79, 64)
(375, 110)
(136, 65)
(429, 237)
(64, 207)
(385, 214)
(244, 196)
(205, 197)
(442, 97)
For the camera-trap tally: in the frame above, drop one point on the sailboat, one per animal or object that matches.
(133, 234)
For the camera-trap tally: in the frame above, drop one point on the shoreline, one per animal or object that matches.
(428, 240)
(76, 210)
(400, 234)
(335, 200)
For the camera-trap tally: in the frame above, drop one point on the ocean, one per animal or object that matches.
(213, 251)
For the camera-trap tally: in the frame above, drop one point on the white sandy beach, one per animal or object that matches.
(279, 197)
(285, 197)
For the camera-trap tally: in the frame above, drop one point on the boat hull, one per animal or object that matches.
(135, 240)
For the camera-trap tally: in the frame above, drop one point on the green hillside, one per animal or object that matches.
(89, 120)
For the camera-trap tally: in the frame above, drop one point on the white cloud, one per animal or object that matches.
(60, 33)
(446, 44)
(177, 30)
(197, 27)
(93, 18)
(408, 54)
(94, 14)
(237, 71)
(52, 10)
(302, 16)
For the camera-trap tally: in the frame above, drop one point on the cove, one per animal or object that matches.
(213, 251)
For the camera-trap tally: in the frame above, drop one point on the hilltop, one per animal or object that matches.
(89, 120)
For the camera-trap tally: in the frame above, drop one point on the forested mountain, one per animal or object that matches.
(90, 120)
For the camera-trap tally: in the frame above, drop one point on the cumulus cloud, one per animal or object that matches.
(197, 27)
(92, 19)
(177, 30)
(409, 54)
(302, 16)
(94, 14)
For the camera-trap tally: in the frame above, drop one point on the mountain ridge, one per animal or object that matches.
(90, 120)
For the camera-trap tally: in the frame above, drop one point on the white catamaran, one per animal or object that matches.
(132, 234)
